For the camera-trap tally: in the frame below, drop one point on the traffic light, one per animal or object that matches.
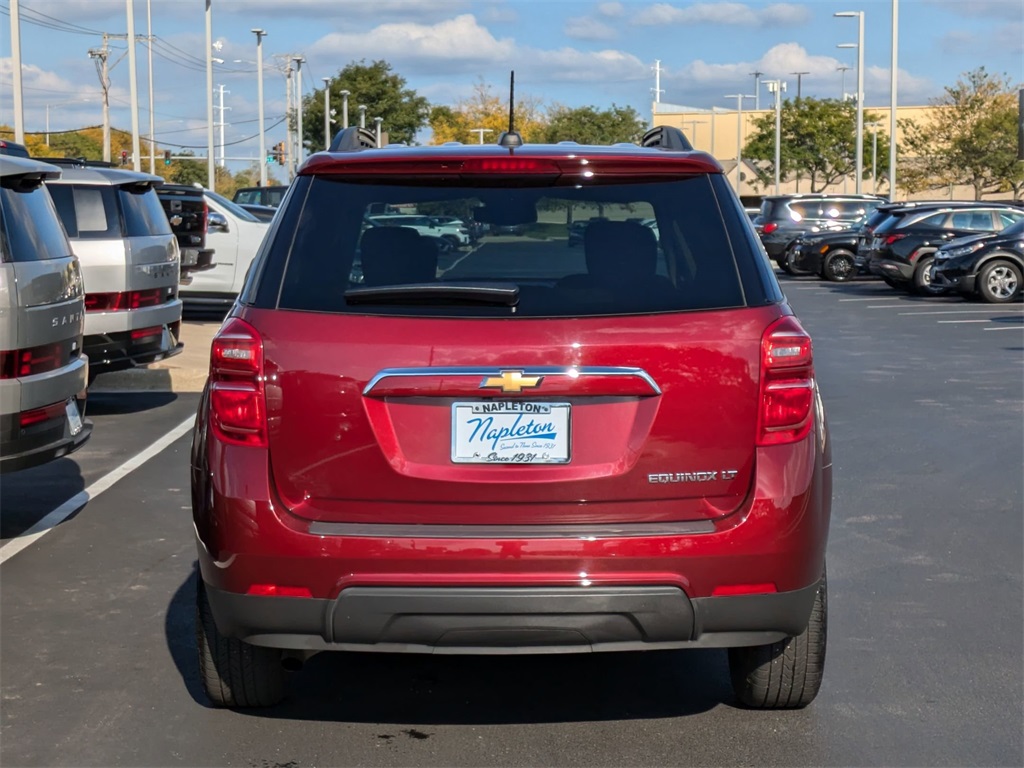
(124, 157)
(280, 153)
(167, 157)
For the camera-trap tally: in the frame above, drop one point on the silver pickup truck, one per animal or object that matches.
(43, 372)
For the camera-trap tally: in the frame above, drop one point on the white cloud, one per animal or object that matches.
(726, 13)
(588, 28)
(499, 14)
(443, 47)
(611, 9)
(572, 65)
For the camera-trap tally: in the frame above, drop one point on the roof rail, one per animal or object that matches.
(354, 139)
(668, 138)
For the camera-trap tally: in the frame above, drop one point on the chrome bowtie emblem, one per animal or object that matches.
(511, 381)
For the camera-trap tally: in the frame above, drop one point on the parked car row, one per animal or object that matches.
(928, 247)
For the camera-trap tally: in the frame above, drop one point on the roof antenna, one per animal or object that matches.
(510, 139)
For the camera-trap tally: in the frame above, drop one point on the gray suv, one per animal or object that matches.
(130, 264)
(43, 372)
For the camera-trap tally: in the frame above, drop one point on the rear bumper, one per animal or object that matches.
(498, 620)
(127, 349)
(894, 270)
(21, 448)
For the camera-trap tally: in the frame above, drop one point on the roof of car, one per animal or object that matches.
(823, 196)
(948, 205)
(14, 165)
(110, 176)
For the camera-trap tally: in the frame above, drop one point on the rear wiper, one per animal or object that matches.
(492, 294)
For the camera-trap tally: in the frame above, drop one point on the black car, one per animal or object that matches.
(261, 212)
(903, 246)
(828, 254)
(785, 217)
(271, 195)
(989, 266)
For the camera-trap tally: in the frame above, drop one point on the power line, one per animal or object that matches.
(50, 22)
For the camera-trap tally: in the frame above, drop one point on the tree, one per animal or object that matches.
(590, 125)
(818, 142)
(970, 139)
(488, 111)
(382, 91)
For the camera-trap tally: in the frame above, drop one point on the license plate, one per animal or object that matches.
(74, 418)
(510, 432)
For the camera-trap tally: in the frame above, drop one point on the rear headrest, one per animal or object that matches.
(620, 250)
(396, 256)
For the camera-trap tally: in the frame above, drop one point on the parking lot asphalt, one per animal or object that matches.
(925, 399)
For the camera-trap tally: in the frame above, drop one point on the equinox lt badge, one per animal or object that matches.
(691, 477)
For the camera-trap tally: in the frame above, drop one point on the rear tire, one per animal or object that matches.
(234, 673)
(923, 278)
(999, 282)
(786, 674)
(838, 266)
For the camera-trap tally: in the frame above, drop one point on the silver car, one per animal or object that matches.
(43, 372)
(130, 264)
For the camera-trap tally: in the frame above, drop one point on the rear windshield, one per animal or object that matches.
(29, 228)
(97, 212)
(233, 208)
(616, 249)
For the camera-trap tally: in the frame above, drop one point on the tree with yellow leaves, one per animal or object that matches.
(488, 111)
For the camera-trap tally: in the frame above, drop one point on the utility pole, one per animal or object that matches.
(344, 108)
(327, 112)
(259, 95)
(299, 60)
(222, 122)
(133, 87)
(739, 135)
(149, 48)
(757, 89)
(893, 76)
(776, 87)
(100, 56)
(19, 106)
(289, 101)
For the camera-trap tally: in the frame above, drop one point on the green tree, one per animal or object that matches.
(970, 138)
(187, 171)
(818, 143)
(385, 95)
(590, 125)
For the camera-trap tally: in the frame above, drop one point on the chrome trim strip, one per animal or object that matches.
(408, 530)
(536, 370)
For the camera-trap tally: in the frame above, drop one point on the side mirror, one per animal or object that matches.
(217, 222)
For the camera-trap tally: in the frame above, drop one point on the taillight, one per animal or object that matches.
(278, 590)
(770, 227)
(29, 362)
(893, 238)
(115, 302)
(41, 415)
(237, 399)
(787, 383)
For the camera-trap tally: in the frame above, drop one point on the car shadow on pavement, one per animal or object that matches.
(110, 403)
(475, 690)
(26, 495)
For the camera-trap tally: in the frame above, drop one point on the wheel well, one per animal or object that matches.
(1013, 258)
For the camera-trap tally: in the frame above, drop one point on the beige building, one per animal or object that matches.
(714, 131)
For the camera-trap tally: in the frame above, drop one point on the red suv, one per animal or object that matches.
(516, 448)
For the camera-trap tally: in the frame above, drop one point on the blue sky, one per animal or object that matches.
(565, 51)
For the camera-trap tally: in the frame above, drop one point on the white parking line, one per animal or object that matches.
(68, 508)
(1006, 328)
(869, 298)
(965, 312)
(895, 303)
(963, 321)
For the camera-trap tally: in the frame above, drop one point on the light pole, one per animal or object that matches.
(299, 61)
(757, 89)
(221, 123)
(377, 122)
(693, 129)
(859, 45)
(893, 69)
(480, 132)
(19, 104)
(149, 52)
(327, 112)
(362, 115)
(739, 134)
(777, 87)
(211, 160)
(842, 82)
(133, 82)
(260, 34)
(344, 108)
(799, 83)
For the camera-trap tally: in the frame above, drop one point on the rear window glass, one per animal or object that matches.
(87, 212)
(935, 221)
(29, 228)
(653, 247)
(247, 196)
(143, 214)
